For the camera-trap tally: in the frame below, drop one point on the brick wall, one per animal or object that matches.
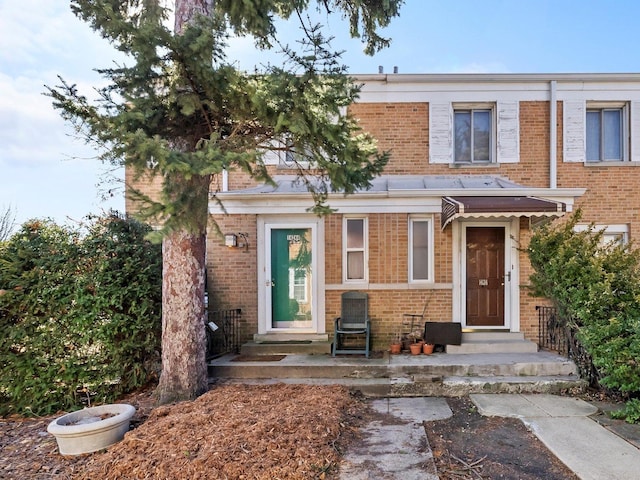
(232, 273)
(403, 129)
(388, 265)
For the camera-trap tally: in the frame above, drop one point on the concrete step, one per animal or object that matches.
(421, 386)
(493, 342)
(385, 365)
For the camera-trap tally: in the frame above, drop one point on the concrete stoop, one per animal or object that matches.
(406, 375)
(493, 342)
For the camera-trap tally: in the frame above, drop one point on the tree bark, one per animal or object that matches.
(184, 369)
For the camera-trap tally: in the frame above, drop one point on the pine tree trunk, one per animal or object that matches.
(184, 369)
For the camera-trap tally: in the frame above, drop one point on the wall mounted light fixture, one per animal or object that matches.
(231, 240)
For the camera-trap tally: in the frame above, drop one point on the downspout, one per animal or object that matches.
(225, 180)
(553, 136)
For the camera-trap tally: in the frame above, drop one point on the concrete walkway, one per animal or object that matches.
(564, 425)
(395, 445)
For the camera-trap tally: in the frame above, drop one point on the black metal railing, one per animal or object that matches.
(557, 334)
(223, 334)
(552, 333)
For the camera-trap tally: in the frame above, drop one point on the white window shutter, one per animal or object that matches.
(440, 133)
(508, 132)
(635, 131)
(574, 114)
(271, 158)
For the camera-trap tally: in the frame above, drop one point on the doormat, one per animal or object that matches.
(286, 342)
(258, 358)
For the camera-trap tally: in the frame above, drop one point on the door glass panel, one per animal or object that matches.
(291, 278)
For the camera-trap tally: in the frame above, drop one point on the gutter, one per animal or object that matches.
(553, 135)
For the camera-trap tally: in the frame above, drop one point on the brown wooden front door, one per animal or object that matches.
(485, 276)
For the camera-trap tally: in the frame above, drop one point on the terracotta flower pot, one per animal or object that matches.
(395, 348)
(416, 348)
(427, 348)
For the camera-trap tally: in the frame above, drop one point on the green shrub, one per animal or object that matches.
(80, 314)
(596, 287)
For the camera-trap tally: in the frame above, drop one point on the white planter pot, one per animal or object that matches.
(84, 431)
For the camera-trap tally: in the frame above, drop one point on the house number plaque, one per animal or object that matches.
(483, 282)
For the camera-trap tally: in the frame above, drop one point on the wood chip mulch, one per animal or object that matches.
(231, 432)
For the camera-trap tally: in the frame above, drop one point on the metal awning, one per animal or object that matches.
(487, 207)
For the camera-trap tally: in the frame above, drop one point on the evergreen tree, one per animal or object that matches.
(178, 109)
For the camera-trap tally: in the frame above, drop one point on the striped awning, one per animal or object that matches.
(488, 207)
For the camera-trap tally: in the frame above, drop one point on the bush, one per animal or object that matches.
(596, 287)
(80, 314)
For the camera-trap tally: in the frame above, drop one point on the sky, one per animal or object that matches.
(47, 172)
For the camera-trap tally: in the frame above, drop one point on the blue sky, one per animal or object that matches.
(45, 172)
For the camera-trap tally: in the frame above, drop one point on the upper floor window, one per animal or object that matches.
(605, 129)
(472, 135)
(600, 131)
(420, 250)
(355, 249)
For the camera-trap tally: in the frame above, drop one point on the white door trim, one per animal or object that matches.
(265, 223)
(511, 263)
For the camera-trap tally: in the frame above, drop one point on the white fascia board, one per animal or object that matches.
(393, 201)
(452, 93)
(505, 78)
(492, 87)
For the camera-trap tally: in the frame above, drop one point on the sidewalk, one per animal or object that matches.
(564, 425)
(397, 447)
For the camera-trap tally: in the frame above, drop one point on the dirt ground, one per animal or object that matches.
(269, 432)
(470, 446)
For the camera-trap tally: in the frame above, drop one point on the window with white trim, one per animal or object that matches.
(611, 234)
(470, 133)
(355, 232)
(420, 249)
(606, 127)
(473, 132)
(602, 131)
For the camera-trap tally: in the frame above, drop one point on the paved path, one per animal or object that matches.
(563, 425)
(396, 447)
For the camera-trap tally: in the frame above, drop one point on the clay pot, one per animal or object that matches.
(395, 348)
(416, 348)
(427, 348)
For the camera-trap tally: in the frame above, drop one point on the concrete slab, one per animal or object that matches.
(416, 409)
(499, 405)
(396, 449)
(556, 406)
(519, 406)
(564, 425)
(590, 450)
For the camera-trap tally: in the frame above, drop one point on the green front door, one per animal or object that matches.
(291, 277)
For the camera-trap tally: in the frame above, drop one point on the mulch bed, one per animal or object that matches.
(231, 432)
